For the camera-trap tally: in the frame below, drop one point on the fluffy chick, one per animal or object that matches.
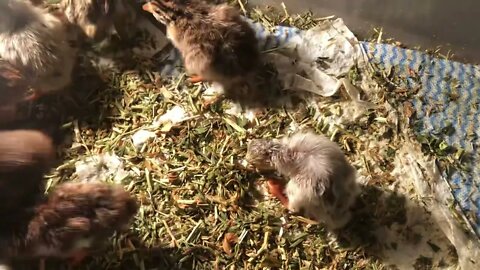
(25, 155)
(37, 43)
(216, 44)
(76, 219)
(321, 182)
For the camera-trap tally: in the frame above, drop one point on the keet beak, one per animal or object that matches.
(152, 8)
(149, 7)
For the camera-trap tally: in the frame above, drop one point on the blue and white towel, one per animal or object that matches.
(447, 106)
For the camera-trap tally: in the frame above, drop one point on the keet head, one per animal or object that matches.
(166, 11)
(260, 153)
(155, 9)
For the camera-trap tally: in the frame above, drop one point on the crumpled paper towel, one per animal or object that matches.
(413, 167)
(101, 168)
(165, 122)
(313, 60)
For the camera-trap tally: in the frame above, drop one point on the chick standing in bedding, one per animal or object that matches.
(321, 182)
(77, 219)
(73, 221)
(216, 44)
(70, 222)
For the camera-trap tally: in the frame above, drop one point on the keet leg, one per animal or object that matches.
(277, 190)
(196, 79)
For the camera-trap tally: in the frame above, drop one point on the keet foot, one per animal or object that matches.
(196, 79)
(276, 189)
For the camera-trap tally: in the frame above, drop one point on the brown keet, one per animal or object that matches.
(321, 182)
(75, 220)
(38, 44)
(216, 43)
(25, 155)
